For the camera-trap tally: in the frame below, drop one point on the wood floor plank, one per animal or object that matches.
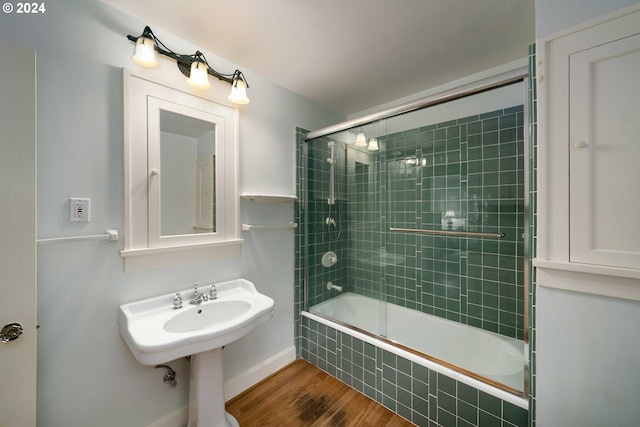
(301, 395)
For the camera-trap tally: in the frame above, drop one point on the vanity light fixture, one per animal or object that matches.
(195, 67)
(373, 145)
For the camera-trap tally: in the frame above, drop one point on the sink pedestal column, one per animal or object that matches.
(206, 393)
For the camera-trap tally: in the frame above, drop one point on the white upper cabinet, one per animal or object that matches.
(604, 156)
(589, 157)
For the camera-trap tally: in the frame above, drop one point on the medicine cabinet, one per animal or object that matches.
(181, 176)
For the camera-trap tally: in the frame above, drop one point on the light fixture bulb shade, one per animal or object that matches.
(373, 145)
(145, 53)
(199, 77)
(238, 93)
(361, 140)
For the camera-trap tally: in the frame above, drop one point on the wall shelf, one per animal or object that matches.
(268, 199)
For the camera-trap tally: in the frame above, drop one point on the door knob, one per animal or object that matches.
(11, 332)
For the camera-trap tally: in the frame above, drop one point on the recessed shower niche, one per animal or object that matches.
(181, 175)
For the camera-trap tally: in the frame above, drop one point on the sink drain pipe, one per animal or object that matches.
(170, 376)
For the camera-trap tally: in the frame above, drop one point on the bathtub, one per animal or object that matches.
(481, 359)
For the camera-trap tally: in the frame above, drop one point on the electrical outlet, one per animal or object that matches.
(79, 209)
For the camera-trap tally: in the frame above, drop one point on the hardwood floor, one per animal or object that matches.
(301, 395)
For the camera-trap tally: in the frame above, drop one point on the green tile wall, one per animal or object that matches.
(473, 166)
(423, 396)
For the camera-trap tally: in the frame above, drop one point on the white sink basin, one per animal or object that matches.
(157, 333)
(197, 317)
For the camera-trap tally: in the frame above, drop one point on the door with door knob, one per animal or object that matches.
(17, 245)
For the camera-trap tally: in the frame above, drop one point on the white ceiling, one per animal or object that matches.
(349, 55)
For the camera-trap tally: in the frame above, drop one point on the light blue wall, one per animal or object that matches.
(586, 352)
(86, 374)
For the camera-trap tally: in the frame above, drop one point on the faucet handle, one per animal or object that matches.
(195, 291)
(177, 301)
(213, 293)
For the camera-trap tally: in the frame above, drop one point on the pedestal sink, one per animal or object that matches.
(157, 333)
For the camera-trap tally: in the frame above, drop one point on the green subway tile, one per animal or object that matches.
(468, 413)
(453, 143)
(474, 153)
(474, 127)
(429, 127)
(446, 418)
(453, 156)
(453, 169)
(440, 134)
(508, 149)
(420, 404)
(474, 166)
(389, 359)
(514, 109)
(404, 398)
(446, 384)
(468, 119)
(509, 177)
(508, 120)
(487, 420)
(453, 131)
(404, 365)
(447, 124)
(491, 114)
(489, 125)
(463, 133)
(508, 163)
(475, 141)
(491, 151)
(420, 373)
(468, 394)
(508, 135)
(514, 414)
(491, 178)
(440, 303)
(447, 402)
(475, 179)
(491, 165)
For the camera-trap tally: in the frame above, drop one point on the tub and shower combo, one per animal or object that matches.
(414, 254)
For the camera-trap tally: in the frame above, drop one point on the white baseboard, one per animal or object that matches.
(235, 386)
(257, 373)
(177, 418)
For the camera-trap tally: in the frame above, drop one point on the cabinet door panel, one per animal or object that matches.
(605, 154)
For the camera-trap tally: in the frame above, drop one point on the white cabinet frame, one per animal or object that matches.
(556, 267)
(144, 246)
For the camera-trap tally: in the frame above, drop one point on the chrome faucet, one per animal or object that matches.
(197, 298)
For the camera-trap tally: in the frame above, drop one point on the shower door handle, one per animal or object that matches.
(10, 332)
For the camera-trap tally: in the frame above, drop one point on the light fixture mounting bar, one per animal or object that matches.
(185, 61)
